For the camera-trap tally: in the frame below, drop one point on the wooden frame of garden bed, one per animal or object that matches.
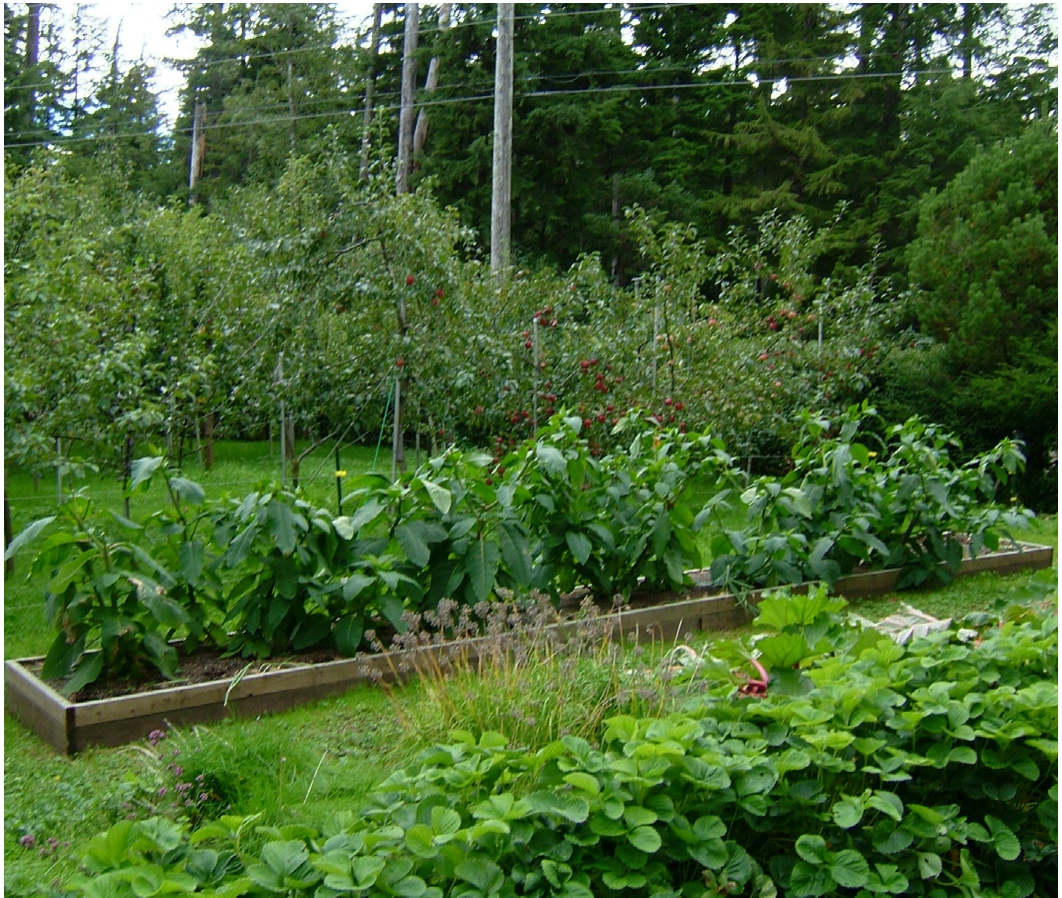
(70, 727)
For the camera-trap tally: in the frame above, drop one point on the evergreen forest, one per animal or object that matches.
(721, 214)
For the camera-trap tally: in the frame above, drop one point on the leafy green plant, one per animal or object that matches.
(612, 521)
(114, 605)
(904, 503)
(455, 524)
(923, 769)
(301, 579)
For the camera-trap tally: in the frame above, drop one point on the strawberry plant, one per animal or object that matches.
(919, 769)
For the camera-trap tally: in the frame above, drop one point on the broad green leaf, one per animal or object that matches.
(481, 564)
(366, 514)
(189, 491)
(889, 803)
(286, 574)
(707, 828)
(69, 570)
(240, 548)
(392, 608)
(111, 848)
(810, 881)
(441, 497)
(929, 865)
(584, 782)
(1003, 839)
(579, 544)
(573, 808)
(849, 868)
(355, 584)
(445, 821)
(551, 458)
(166, 611)
(88, 671)
(782, 650)
(141, 470)
(420, 840)
(483, 874)
(645, 838)
(574, 423)
(889, 839)
(191, 556)
(848, 811)
(636, 815)
(779, 611)
(283, 525)
(413, 887)
(347, 634)
(366, 870)
(310, 631)
(799, 501)
(152, 879)
(738, 866)
(887, 878)
(812, 848)
(62, 656)
(164, 835)
(25, 536)
(515, 554)
(619, 880)
(411, 538)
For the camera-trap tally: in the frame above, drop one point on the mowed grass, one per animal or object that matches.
(305, 764)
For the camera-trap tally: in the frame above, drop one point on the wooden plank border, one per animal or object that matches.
(70, 727)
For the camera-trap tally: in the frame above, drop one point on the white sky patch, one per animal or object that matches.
(141, 29)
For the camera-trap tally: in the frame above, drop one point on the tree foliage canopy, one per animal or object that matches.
(715, 210)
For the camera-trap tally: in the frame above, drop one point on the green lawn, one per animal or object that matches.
(306, 763)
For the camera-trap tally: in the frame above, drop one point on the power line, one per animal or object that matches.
(474, 98)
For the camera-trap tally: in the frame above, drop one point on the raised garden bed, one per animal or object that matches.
(70, 726)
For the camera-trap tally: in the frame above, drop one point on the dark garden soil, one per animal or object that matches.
(206, 665)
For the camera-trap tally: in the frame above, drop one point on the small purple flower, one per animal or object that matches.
(156, 736)
(162, 791)
(28, 840)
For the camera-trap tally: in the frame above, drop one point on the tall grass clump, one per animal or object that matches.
(520, 672)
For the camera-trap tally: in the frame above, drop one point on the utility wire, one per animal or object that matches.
(645, 67)
(450, 101)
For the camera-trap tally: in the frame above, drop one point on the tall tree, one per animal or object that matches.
(49, 55)
(273, 79)
(123, 125)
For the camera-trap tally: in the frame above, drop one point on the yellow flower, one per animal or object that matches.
(340, 474)
(872, 454)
